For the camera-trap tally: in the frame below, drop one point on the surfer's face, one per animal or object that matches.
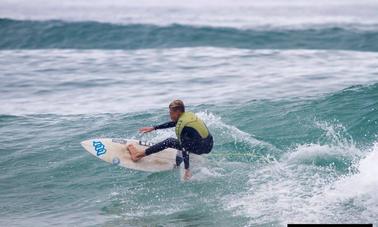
(174, 114)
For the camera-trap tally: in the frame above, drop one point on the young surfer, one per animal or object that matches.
(192, 136)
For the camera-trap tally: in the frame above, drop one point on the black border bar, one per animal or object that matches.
(329, 225)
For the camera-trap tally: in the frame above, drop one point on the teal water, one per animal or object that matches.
(96, 35)
(292, 105)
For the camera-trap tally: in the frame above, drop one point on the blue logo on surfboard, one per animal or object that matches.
(99, 148)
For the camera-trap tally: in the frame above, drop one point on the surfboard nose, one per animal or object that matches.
(86, 144)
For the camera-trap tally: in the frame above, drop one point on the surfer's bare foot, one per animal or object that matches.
(135, 153)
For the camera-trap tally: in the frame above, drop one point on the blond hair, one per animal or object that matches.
(177, 105)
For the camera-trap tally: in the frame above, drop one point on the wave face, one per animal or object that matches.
(94, 35)
(292, 161)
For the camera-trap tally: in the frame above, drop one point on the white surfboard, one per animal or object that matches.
(114, 151)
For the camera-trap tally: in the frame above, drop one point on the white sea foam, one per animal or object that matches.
(242, 13)
(358, 190)
(97, 81)
(292, 190)
(335, 146)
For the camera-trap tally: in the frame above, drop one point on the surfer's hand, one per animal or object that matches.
(146, 129)
(187, 174)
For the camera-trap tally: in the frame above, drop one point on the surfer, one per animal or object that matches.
(192, 137)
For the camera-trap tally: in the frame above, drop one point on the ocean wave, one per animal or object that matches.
(25, 34)
(301, 182)
(315, 178)
(335, 149)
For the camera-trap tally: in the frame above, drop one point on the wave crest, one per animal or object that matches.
(24, 34)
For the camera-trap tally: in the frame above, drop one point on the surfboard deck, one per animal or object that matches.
(114, 151)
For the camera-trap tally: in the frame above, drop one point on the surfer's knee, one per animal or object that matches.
(172, 143)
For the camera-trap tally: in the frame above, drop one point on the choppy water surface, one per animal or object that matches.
(290, 97)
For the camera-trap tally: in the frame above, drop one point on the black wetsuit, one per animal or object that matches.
(191, 141)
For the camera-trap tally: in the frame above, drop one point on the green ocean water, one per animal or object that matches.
(272, 158)
(288, 91)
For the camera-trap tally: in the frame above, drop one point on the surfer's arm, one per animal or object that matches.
(187, 174)
(165, 125)
(185, 155)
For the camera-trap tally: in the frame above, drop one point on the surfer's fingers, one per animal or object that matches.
(144, 130)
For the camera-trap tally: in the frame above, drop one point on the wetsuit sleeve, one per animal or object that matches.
(165, 125)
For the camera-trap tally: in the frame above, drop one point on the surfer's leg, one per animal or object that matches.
(179, 158)
(208, 145)
(203, 147)
(168, 143)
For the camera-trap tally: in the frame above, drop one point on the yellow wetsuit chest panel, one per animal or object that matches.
(189, 119)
